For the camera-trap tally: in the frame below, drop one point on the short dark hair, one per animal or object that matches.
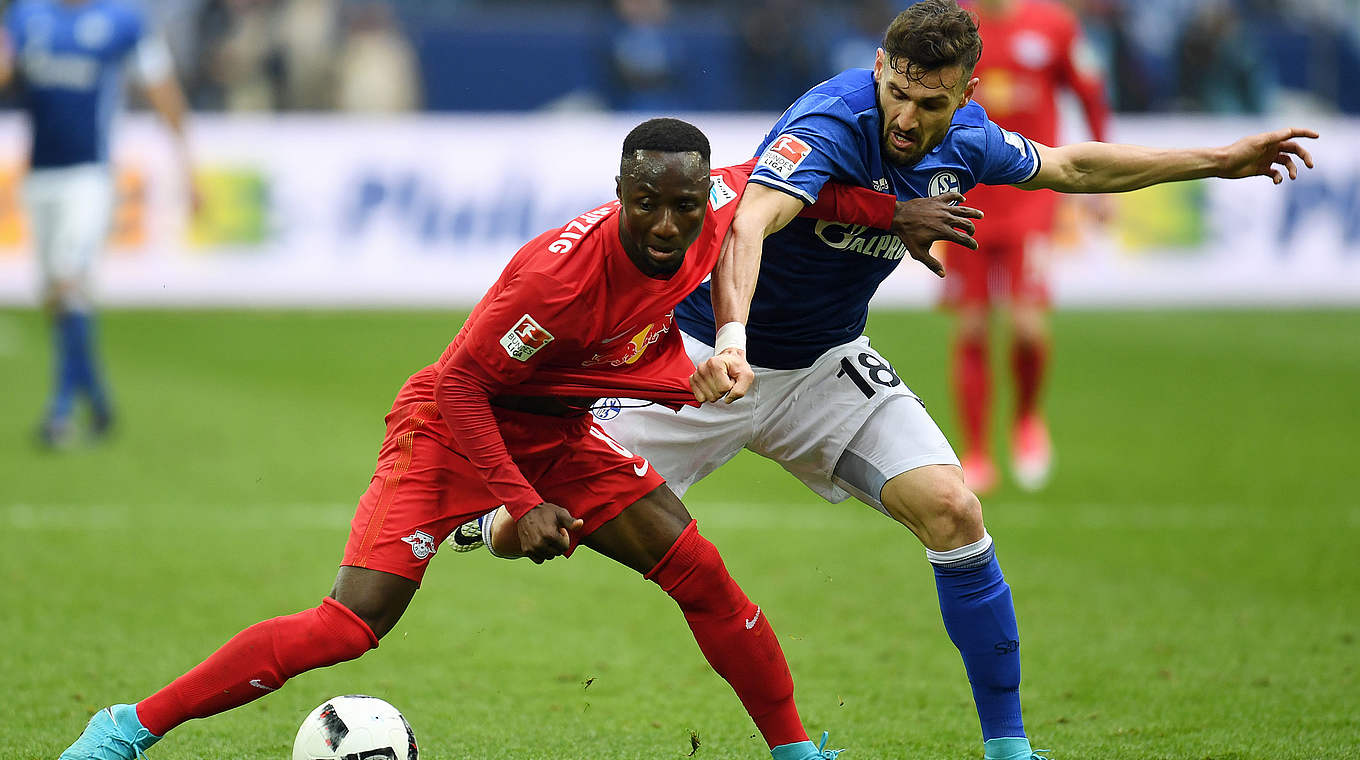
(932, 35)
(667, 136)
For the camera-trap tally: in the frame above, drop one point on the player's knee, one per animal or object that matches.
(972, 325)
(63, 295)
(376, 598)
(954, 516)
(1029, 325)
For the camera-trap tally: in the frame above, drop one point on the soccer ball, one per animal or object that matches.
(355, 727)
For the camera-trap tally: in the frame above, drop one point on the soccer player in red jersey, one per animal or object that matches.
(502, 417)
(1032, 49)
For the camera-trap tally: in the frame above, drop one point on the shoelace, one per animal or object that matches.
(116, 736)
(832, 754)
(1037, 756)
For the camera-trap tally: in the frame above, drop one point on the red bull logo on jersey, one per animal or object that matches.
(629, 352)
(525, 339)
(784, 155)
(422, 544)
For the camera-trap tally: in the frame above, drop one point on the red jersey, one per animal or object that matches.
(571, 315)
(1029, 53)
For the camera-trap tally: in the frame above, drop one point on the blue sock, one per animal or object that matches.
(77, 330)
(69, 336)
(975, 603)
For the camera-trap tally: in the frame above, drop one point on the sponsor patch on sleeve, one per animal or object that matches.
(1016, 141)
(784, 155)
(720, 193)
(525, 339)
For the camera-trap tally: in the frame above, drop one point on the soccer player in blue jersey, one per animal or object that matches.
(68, 57)
(827, 406)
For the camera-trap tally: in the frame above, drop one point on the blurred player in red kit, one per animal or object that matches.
(503, 418)
(1032, 49)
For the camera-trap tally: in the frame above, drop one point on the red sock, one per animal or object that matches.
(257, 661)
(972, 392)
(1028, 361)
(733, 634)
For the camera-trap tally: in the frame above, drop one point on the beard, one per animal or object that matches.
(896, 156)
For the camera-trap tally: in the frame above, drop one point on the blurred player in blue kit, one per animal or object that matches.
(825, 405)
(68, 58)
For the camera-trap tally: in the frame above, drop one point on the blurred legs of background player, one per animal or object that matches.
(1007, 271)
(69, 210)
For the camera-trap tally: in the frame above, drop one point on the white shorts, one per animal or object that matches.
(69, 211)
(843, 426)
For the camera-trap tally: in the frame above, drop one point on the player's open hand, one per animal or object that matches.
(1265, 153)
(544, 532)
(919, 222)
(723, 375)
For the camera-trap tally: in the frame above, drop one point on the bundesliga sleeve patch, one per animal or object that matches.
(784, 155)
(525, 339)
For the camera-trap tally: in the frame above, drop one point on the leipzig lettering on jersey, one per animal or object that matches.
(71, 58)
(578, 227)
(816, 278)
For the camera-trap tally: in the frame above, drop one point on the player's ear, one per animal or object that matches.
(618, 187)
(968, 91)
(880, 60)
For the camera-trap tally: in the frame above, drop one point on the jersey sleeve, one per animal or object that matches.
(811, 149)
(1008, 158)
(512, 336)
(836, 202)
(855, 205)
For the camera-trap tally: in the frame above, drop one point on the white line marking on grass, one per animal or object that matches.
(219, 518)
(1089, 516)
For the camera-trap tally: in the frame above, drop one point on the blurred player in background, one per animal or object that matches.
(503, 417)
(1032, 49)
(68, 58)
(828, 407)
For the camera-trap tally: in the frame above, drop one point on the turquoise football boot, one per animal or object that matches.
(1011, 748)
(806, 750)
(113, 733)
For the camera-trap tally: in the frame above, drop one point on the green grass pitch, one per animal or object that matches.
(1188, 587)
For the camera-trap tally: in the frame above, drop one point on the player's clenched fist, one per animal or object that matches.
(543, 532)
(725, 374)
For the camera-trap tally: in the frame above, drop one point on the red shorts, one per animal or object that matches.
(423, 488)
(1011, 264)
(1004, 269)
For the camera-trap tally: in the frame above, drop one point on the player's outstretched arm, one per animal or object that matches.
(761, 211)
(1111, 168)
(167, 100)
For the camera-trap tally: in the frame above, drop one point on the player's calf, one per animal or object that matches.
(253, 663)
